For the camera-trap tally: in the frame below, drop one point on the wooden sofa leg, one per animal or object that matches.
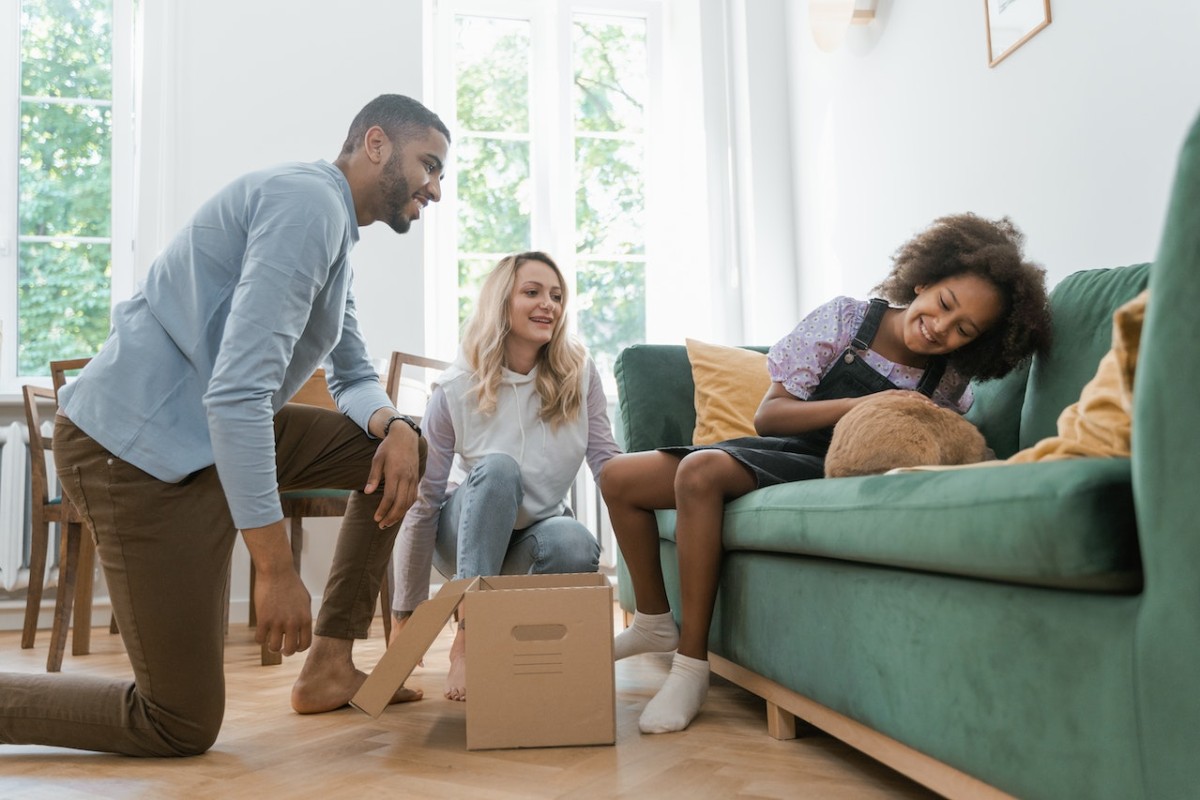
(781, 724)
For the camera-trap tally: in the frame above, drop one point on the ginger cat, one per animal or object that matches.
(889, 431)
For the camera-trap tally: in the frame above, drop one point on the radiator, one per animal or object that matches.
(14, 511)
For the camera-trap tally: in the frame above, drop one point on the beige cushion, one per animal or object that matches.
(730, 385)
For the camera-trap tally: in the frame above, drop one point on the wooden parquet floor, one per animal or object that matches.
(418, 750)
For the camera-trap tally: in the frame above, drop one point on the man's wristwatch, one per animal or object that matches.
(407, 420)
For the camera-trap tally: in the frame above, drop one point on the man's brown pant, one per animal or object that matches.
(166, 549)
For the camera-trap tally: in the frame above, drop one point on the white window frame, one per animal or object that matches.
(552, 174)
(552, 125)
(122, 223)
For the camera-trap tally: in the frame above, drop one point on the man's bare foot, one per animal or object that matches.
(328, 679)
(456, 679)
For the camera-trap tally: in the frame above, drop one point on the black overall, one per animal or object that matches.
(782, 459)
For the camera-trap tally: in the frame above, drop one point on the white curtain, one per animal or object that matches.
(749, 182)
(156, 102)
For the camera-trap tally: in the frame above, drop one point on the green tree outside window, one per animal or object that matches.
(64, 181)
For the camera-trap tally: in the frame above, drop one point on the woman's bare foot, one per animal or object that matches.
(329, 679)
(456, 679)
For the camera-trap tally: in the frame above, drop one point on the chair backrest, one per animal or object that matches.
(60, 368)
(35, 396)
(428, 368)
(315, 392)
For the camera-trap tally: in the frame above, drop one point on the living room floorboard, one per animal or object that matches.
(418, 750)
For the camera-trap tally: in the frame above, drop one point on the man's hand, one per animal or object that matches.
(397, 466)
(283, 605)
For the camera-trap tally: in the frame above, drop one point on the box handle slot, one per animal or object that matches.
(539, 633)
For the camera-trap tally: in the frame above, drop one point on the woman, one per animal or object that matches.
(521, 407)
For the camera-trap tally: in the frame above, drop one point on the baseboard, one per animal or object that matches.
(12, 613)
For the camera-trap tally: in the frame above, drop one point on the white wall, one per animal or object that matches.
(1074, 135)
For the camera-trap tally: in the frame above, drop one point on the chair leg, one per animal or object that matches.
(68, 565)
(385, 602)
(296, 534)
(252, 619)
(37, 581)
(112, 624)
(81, 635)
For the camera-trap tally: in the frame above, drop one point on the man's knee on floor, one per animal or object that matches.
(181, 737)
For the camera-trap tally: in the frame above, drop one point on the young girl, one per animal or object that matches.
(965, 306)
(522, 407)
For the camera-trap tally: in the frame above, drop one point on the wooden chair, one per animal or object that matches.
(396, 365)
(428, 369)
(311, 503)
(77, 552)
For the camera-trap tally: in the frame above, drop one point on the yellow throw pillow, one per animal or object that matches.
(730, 385)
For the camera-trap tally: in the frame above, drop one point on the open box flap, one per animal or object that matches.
(408, 647)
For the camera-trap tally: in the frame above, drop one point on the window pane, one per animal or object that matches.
(493, 193)
(610, 304)
(471, 272)
(611, 84)
(64, 299)
(609, 200)
(65, 170)
(491, 58)
(66, 48)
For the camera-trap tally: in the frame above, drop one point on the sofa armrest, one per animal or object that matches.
(1166, 470)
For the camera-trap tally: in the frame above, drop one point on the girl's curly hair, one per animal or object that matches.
(966, 243)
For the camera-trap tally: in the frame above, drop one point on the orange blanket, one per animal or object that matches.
(1098, 424)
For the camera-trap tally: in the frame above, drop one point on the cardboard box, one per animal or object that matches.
(539, 659)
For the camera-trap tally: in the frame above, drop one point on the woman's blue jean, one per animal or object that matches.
(476, 536)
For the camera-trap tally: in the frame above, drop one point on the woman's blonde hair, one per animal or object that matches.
(560, 362)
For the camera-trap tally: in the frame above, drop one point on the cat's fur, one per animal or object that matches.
(888, 431)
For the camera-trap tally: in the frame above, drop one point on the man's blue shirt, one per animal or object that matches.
(246, 301)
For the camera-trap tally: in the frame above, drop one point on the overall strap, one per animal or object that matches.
(932, 376)
(870, 324)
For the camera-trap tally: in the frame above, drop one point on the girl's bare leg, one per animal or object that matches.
(633, 486)
(705, 481)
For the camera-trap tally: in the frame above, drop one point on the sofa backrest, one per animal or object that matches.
(654, 382)
(1082, 305)
(656, 397)
(1022, 408)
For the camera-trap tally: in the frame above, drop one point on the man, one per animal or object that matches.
(176, 435)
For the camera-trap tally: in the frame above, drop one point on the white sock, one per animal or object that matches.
(678, 701)
(649, 633)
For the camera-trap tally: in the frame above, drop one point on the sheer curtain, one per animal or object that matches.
(746, 163)
(155, 114)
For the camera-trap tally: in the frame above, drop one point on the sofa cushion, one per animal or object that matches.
(1064, 524)
(1082, 305)
(997, 410)
(656, 409)
(730, 384)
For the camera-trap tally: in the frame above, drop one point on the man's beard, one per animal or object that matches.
(396, 195)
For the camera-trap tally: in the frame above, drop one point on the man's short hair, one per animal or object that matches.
(400, 117)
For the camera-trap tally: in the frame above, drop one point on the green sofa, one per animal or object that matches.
(1027, 630)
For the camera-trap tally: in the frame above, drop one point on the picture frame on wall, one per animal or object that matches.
(1012, 23)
